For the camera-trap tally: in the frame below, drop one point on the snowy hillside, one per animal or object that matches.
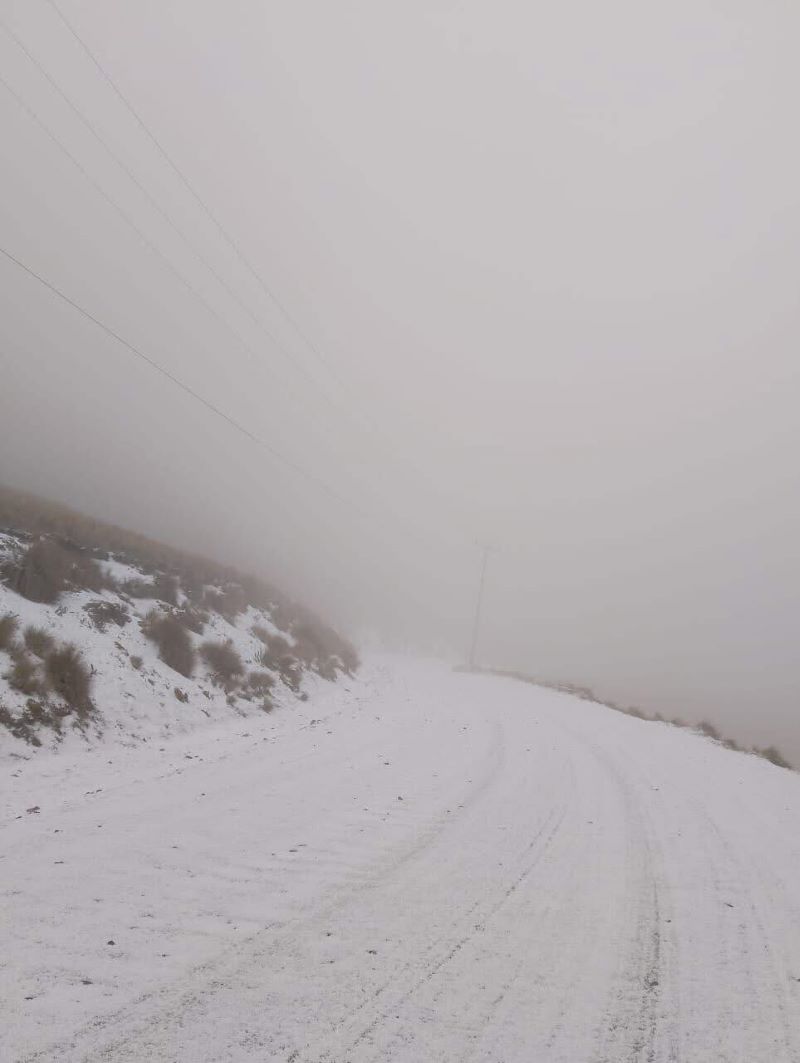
(96, 646)
(416, 866)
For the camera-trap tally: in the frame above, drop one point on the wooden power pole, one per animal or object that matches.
(478, 606)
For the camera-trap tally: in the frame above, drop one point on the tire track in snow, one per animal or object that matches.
(547, 918)
(398, 990)
(630, 1027)
(755, 945)
(165, 1008)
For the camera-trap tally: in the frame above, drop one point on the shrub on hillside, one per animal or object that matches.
(103, 613)
(279, 656)
(41, 573)
(258, 687)
(225, 663)
(25, 675)
(260, 683)
(323, 650)
(228, 601)
(8, 630)
(212, 599)
(291, 672)
(309, 643)
(278, 646)
(261, 633)
(40, 714)
(139, 588)
(166, 588)
(774, 756)
(18, 727)
(708, 729)
(284, 613)
(634, 710)
(192, 619)
(329, 668)
(69, 677)
(86, 575)
(175, 647)
(38, 641)
(284, 663)
(47, 569)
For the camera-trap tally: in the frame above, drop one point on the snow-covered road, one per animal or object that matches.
(430, 867)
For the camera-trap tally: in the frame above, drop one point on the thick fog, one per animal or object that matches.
(522, 273)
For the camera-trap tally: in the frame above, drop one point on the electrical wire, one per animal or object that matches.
(182, 385)
(234, 295)
(232, 243)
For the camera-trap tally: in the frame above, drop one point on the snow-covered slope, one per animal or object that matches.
(134, 695)
(414, 866)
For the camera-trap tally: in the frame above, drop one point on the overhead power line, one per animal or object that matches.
(97, 134)
(358, 415)
(163, 213)
(126, 217)
(231, 242)
(182, 385)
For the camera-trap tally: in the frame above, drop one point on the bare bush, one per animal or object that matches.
(290, 671)
(165, 588)
(225, 663)
(38, 641)
(85, 574)
(708, 729)
(69, 678)
(42, 572)
(18, 727)
(285, 664)
(634, 710)
(213, 599)
(8, 631)
(261, 633)
(326, 652)
(328, 668)
(175, 647)
(103, 613)
(309, 643)
(192, 619)
(774, 756)
(278, 646)
(40, 714)
(181, 695)
(47, 569)
(260, 683)
(25, 675)
(139, 588)
(136, 662)
(228, 601)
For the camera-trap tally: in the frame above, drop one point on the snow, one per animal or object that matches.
(417, 865)
(122, 572)
(135, 705)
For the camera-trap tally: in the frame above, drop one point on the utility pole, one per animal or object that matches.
(478, 605)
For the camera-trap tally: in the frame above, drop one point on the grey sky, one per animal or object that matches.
(548, 255)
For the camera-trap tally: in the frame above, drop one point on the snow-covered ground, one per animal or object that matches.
(417, 865)
(138, 697)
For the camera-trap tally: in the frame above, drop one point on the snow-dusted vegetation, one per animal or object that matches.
(104, 633)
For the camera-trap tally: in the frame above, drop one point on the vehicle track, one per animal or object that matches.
(497, 875)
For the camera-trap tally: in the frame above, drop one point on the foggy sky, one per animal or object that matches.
(546, 256)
